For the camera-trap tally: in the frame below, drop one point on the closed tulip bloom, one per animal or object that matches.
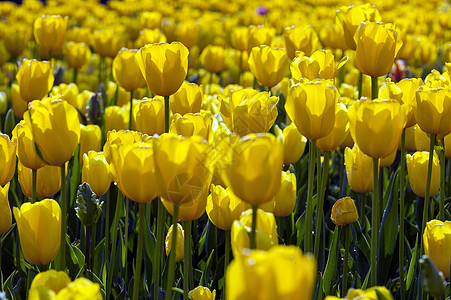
(266, 232)
(359, 170)
(293, 143)
(126, 71)
(311, 106)
(421, 139)
(121, 137)
(388, 160)
(80, 288)
(376, 126)
(49, 31)
(344, 212)
(96, 172)
(249, 111)
(48, 181)
(377, 47)
(188, 99)
(212, 58)
(437, 244)
(56, 129)
(183, 167)
(223, 207)
(133, 169)
(35, 79)
(26, 149)
(239, 37)
(321, 64)
(77, 54)
(68, 92)
(202, 293)
(39, 226)
(188, 33)
(269, 65)
(254, 173)
(106, 43)
(150, 36)
(90, 137)
(285, 199)
(79, 35)
(192, 124)
(5, 210)
(149, 116)
(417, 168)
(409, 87)
(163, 66)
(180, 242)
(338, 134)
(301, 38)
(117, 117)
(189, 211)
(372, 293)
(259, 36)
(18, 104)
(16, 39)
(51, 279)
(432, 110)
(283, 273)
(7, 158)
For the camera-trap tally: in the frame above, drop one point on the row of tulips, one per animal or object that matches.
(227, 160)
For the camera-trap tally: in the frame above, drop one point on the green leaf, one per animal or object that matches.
(331, 266)
(206, 273)
(150, 243)
(413, 261)
(300, 229)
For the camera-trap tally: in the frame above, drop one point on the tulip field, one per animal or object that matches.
(238, 150)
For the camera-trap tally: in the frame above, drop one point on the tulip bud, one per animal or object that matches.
(96, 172)
(126, 71)
(16, 39)
(5, 210)
(179, 252)
(202, 293)
(188, 99)
(117, 118)
(417, 168)
(293, 143)
(212, 58)
(286, 197)
(88, 207)
(51, 279)
(49, 31)
(359, 168)
(437, 244)
(344, 212)
(3, 103)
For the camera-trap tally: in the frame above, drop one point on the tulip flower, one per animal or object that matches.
(7, 158)
(126, 71)
(49, 31)
(202, 293)
(51, 279)
(437, 244)
(5, 210)
(79, 35)
(409, 86)
(81, 288)
(223, 207)
(269, 65)
(311, 106)
(344, 212)
(377, 47)
(48, 181)
(338, 134)
(77, 54)
(259, 36)
(212, 58)
(117, 117)
(122, 137)
(149, 116)
(56, 129)
(239, 37)
(285, 200)
(293, 143)
(388, 160)
(417, 168)
(150, 36)
(188, 211)
(249, 111)
(163, 66)
(301, 38)
(68, 92)
(35, 79)
(39, 226)
(90, 136)
(19, 105)
(96, 172)
(16, 38)
(188, 33)
(371, 293)
(320, 65)
(188, 99)
(283, 272)
(359, 168)
(192, 124)
(106, 43)
(179, 245)
(26, 150)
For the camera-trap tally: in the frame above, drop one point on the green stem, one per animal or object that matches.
(93, 244)
(130, 123)
(360, 84)
(253, 242)
(375, 222)
(186, 258)
(1, 272)
(34, 176)
(428, 187)
(320, 205)
(110, 274)
(347, 229)
(127, 213)
(139, 254)
(402, 212)
(88, 230)
(160, 231)
(75, 75)
(61, 266)
(374, 87)
(107, 224)
(171, 269)
(227, 259)
(279, 228)
(30, 275)
(441, 215)
(166, 113)
(309, 209)
(362, 215)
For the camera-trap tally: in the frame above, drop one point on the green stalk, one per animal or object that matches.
(127, 213)
(93, 244)
(61, 265)
(320, 205)
(74, 76)
(253, 241)
(1, 272)
(171, 269)
(166, 113)
(186, 259)
(130, 124)
(374, 87)
(107, 225)
(360, 84)
(309, 209)
(347, 229)
(362, 214)
(139, 254)
(402, 213)
(34, 176)
(160, 232)
(375, 222)
(226, 260)
(428, 186)
(441, 215)
(110, 274)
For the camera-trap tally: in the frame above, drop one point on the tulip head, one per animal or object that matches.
(269, 65)
(48, 181)
(96, 172)
(180, 242)
(339, 133)
(81, 288)
(5, 210)
(188, 99)
(285, 199)
(417, 168)
(202, 293)
(126, 71)
(35, 79)
(121, 137)
(8, 158)
(437, 244)
(301, 38)
(149, 116)
(106, 43)
(51, 279)
(344, 212)
(320, 65)
(293, 143)
(212, 58)
(49, 31)
(359, 168)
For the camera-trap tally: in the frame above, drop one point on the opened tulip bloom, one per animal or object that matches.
(106, 43)
(149, 116)
(51, 279)
(49, 31)
(7, 158)
(269, 65)
(437, 244)
(77, 54)
(35, 79)
(122, 137)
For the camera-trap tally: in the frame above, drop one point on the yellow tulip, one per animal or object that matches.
(39, 226)
(188, 99)
(96, 172)
(285, 199)
(189, 211)
(5, 210)
(163, 66)
(202, 293)
(212, 58)
(437, 244)
(344, 212)
(371, 293)
(192, 124)
(269, 65)
(81, 288)
(48, 181)
(359, 170)
(183, 167)
(338, 134)
(117, 117)
(51, 279)
(122, 137)
(68, 92)
(332, 36)
(149, 116)
(259, 36)
(320, 65)
(282, 273)
(188, 33)
(150, 36)
(249, 111)
(301, 38)
(49, 31)
(254, 170)
(179, 255)
(239, 37)
(417, 168)
(35, 79)
(77, 54)
(133, 169)
(79, 35)
(377, 47)
(16, 39)
(388, 160)
(90, 137)
(223, 207)
(293, 143)
(7, 158)
(376, 125)
(126, 71)
(122, 96)
(26, 150)
(106, 43)
(421, 139)
(311, 106)
(409, 86)
(432, 110)
(56, 129)
(18, 104)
